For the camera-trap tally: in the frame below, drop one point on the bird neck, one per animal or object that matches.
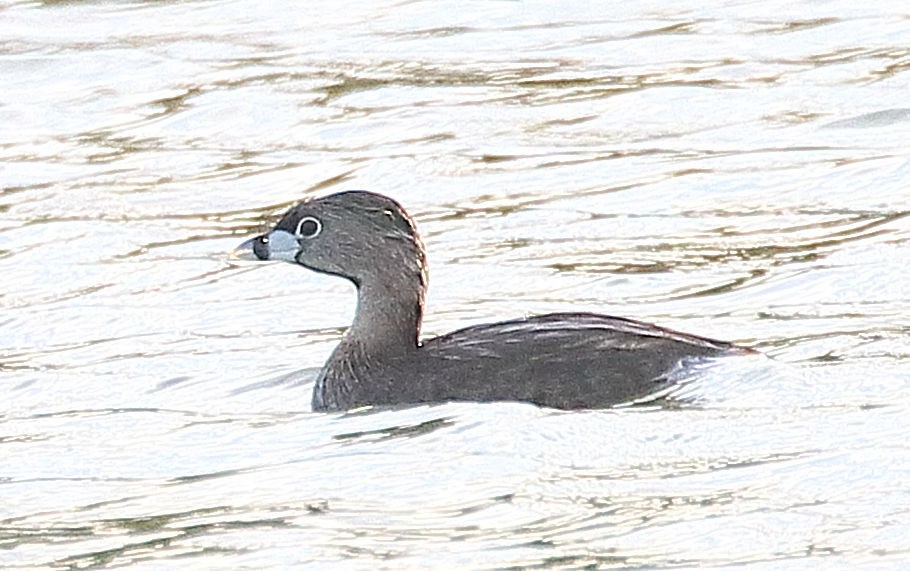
(388, 317)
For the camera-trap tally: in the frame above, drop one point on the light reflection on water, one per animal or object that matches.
(737, 171)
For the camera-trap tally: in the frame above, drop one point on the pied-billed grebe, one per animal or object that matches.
(560, 360)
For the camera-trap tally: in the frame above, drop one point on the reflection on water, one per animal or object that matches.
(737, 171)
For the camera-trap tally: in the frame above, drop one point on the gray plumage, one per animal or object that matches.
(564, 360)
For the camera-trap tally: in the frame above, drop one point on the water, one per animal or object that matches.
(737, 170)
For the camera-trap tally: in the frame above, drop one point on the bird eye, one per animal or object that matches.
(308, 227)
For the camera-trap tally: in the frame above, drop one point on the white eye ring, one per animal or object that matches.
(311, 231)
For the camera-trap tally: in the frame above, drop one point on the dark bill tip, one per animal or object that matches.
(254, 249)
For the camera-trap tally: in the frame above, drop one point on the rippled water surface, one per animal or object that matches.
(735, 169)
